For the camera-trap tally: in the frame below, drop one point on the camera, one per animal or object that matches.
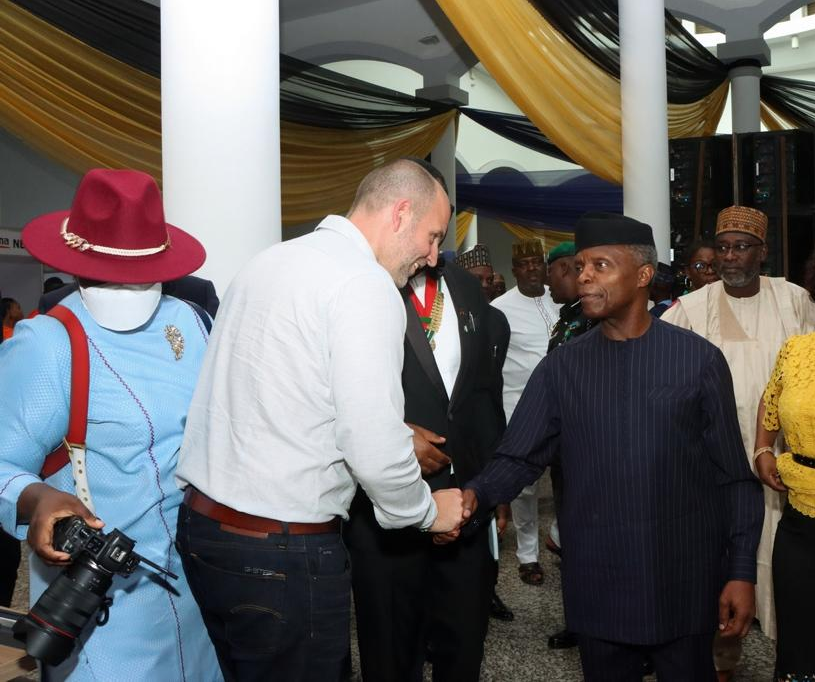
(51, 627)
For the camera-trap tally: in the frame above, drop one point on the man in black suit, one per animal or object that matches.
(661, 516)
(477, 262)
(414, 597)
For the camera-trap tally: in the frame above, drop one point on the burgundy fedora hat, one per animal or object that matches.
(114, 232)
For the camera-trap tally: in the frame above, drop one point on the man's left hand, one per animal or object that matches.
(737, 608)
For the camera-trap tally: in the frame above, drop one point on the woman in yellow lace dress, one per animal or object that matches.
(789, 404)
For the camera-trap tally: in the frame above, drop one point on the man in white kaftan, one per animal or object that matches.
(748, 317)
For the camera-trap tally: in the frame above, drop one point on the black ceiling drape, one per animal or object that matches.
(128, 30)
(315, 96)
(793, 99)
(517, 128)
(593, 26)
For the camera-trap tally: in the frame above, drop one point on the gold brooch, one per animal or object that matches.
(174, 338)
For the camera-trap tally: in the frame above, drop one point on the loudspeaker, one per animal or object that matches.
(777, 176)
(772, 171)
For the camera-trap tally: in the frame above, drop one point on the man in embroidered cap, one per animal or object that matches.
(661, 515)
(144, 354)
(477, 262)
(531, 314)
(748, 317)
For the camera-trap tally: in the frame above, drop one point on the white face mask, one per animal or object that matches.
(121, 307)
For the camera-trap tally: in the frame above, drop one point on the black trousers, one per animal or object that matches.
(414, 598)
(793, 576)
(9, 563)
(687, 659)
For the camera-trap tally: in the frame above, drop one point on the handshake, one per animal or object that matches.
(455, 509)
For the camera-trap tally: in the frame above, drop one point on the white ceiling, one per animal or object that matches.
(322, 31)
(739, 19)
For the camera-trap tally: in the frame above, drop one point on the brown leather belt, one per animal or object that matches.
(235, 521)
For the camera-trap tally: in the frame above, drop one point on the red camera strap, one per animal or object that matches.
(80, 382)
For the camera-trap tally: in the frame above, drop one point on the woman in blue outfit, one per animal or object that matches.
(145, 351)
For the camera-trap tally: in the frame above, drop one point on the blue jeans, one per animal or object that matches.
(276, 607)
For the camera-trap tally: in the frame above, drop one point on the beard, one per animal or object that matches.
(403, 274)
(739, 279)
(407, 264)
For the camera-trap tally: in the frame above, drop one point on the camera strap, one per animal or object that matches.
(73, 446)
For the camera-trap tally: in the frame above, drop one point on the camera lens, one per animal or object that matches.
(54, 622)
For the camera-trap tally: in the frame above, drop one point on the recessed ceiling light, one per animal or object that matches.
(430, 40)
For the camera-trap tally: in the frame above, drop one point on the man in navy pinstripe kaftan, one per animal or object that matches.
(660, 510)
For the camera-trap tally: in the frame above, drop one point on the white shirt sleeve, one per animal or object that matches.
(366, 341)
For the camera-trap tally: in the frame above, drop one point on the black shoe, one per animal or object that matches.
(563, 640)
(499, 610)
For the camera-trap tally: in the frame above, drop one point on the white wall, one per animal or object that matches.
(30, 183)
(21, 279)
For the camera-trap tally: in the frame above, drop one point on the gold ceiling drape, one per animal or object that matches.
(774, 120)
(321, 167)
(569, 98)
(463, 222)
(74, 103)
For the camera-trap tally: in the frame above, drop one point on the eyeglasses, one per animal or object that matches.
(740, 248)
(702, 266)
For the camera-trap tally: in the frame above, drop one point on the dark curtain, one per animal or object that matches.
(792, 99)
(517, 128)
(312, 95)
(542, 199)
(593, 27)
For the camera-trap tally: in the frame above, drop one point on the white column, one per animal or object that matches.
(443, 157)
(220, 99)
(745, 98)
(471, 238)
(644, 102)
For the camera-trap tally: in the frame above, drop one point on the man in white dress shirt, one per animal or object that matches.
(300, 399)
(531, 314)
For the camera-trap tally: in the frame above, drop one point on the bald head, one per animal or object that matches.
(403, 178)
